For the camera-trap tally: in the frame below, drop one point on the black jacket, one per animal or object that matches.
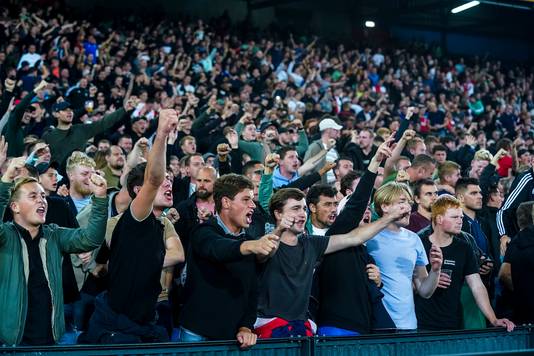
(522, 190)
(342, 279)
(520, 255)
(187, 209)
(180, 190)
(221, 292)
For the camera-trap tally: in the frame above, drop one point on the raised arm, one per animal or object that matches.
(141, 206)
(114, 120)
(9, 86)
(397, 151)
(311, 163)
(90, 237)
(366, 232)
(351, 215)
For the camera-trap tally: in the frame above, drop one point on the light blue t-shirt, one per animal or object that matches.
(81, 203)
(397, 254)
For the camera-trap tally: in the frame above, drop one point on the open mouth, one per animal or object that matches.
(300, 223)
(168, 194)
(249, 217)
(41, 211)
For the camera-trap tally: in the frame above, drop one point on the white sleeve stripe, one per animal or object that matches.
(510, 200)
(516, 191)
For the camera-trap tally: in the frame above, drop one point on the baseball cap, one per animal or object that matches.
(329, 124)
(521, 152)
(60, 106)
(208, 155)
(43, 166)
(265, 125)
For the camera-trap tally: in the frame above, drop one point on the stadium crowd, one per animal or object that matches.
(183, 181)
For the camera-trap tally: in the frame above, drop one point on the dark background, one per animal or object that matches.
(503, 31)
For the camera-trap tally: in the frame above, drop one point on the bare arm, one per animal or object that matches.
(481, 297)
(174, 251)
(155, 170)
(397, 151)
(425, 283)
(312, 162)
(357, 236)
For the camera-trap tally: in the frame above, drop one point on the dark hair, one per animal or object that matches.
(187, 158)
(284, 150)
(419, 184)
(280, 198)
(423, 160)
(136, 178)
(348, 179)
(315, 192)
(524, 214)
(438, 148)
(448, 139)
(247, 167)
(32, 171)
(505, 143)
(229, 186)
(124, 136)
(463, 183)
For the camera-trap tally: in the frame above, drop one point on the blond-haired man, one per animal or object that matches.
(401, 257)
(30, 267)
(79, 168)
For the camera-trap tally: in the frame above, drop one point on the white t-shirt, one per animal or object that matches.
(318, 232)
(397, 254)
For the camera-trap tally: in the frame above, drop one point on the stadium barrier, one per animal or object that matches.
(487, 341)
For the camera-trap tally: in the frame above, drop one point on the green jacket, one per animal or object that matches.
(63, 142)
(13, 131)
(14, 266)
(254, 149)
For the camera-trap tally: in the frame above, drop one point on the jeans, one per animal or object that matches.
(189, 336)
(333, 331)
(83, 309)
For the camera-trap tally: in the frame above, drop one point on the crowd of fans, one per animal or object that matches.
(182, 181)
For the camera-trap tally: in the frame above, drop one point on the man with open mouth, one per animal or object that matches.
(31, 257)
(286, 276)
(221, 285)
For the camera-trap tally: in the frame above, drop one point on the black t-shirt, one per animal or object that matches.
(38, 324)
(286, 279)
(136, 258)
(520, 255)
(443, 311)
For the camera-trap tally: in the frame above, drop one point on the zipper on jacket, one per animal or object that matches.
(23, 310)
(44, 242)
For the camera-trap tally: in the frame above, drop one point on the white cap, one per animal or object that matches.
(329, 124)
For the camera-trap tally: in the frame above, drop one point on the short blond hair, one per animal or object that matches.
(483, 155)
(79, 159)
(444, 203)
(447, 168)
(390, 192)
(19, 182)
(383, 132)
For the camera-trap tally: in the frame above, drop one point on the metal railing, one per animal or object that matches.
(419, 344)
